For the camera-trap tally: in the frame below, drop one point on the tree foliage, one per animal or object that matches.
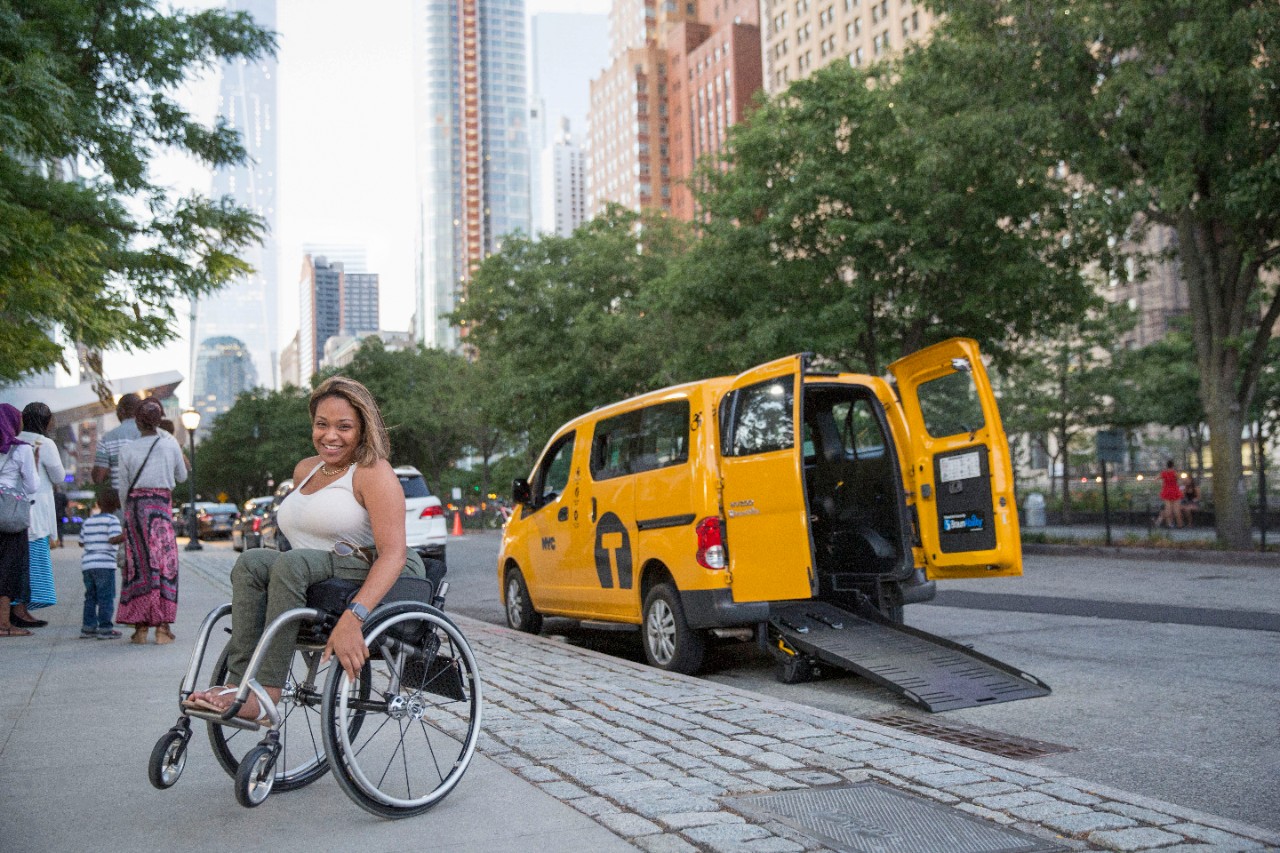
(565, 324)
(1164, 114)
(867, 214)
(88, 241)
(1059, 388)
(255, 444)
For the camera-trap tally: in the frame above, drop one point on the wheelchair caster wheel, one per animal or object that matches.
(256, 775)
(167, 759)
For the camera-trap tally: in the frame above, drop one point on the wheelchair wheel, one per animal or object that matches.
(421, 719)
(256, 776)
(301, 760)
(168, 758)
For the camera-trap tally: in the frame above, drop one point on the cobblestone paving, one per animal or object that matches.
(654, 756)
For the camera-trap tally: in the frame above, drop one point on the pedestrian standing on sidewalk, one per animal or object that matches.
(150, 467)
(17, 475)
(37, 422)
(106, 461)
(1171, 495)
(100, 536)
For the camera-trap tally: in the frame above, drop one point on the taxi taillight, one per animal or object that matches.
(711, 550)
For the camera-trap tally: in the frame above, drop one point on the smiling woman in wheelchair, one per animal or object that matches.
(345, 520)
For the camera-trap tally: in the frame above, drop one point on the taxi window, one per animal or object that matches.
(859, 429)
(762, 419)
(553, 473)
(643, 440)
(950, 405)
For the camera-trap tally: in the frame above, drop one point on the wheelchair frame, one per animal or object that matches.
(398, 738)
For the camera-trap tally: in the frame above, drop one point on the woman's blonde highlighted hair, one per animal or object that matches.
(375, 444)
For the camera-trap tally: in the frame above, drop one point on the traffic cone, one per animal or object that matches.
(457, 523)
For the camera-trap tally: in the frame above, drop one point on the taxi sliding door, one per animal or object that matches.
(763, 498)
(960, 459)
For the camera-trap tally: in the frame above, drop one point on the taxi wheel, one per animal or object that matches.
(669, 642)
(520, 612)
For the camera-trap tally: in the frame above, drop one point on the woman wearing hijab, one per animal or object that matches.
(36, 422)
(18, 474)
(150, 466)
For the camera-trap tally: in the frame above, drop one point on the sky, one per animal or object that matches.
(346, 152)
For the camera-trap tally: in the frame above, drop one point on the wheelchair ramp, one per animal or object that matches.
(933, 672)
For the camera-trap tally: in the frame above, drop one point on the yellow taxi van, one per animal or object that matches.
(691, 510)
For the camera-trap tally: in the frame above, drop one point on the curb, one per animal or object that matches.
(1176, 555)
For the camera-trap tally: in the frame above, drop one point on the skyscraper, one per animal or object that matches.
(225, 369)
(471, 113)
(333, 302)
(246, 308)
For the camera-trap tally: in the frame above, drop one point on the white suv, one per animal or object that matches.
(424, 525)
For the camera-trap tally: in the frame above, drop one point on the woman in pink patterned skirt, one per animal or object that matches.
(150, 466)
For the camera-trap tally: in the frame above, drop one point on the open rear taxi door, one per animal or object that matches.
(962, 471)
(762, 493)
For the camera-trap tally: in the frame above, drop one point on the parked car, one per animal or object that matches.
(213, 519)
(246, 532)
(424, 526)
(268, 531)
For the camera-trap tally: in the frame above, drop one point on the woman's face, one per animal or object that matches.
(335, 431)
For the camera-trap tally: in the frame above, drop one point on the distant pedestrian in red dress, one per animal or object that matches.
(1171, 494)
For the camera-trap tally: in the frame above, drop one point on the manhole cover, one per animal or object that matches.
(973, 737)
(872, 818)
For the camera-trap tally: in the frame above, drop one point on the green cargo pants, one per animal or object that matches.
(266, 583)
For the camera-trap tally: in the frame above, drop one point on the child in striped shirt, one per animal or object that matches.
(100, 535)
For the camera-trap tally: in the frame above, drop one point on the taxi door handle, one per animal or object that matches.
(593, 510)
(563, 514)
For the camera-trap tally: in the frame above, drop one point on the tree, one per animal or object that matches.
(565, 323)
(256, 443)
(1058, 387)
(89, 242)
(1166, 114)
(1159, 384)
(867, 214)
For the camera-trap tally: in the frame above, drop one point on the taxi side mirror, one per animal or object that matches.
(521, 493)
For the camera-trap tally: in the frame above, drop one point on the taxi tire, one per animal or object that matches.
(518, 606)
(669, 642)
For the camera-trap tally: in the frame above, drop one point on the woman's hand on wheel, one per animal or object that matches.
(346, 643)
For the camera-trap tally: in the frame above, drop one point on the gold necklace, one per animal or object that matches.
(333, 472)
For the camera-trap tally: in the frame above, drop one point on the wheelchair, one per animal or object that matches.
(398, 737)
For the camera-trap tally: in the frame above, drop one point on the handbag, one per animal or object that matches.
(15, 506)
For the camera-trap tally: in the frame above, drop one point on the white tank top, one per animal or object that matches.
(321, 519)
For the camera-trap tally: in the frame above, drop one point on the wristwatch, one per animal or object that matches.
(361, 612)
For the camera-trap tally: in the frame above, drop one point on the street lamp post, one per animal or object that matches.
(190, 421)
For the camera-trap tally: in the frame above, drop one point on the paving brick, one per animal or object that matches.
(982, 789)
(594, 806)
(1013, 800)
(1211, 835)
(684, 820)
(1091, 821)
(1068, 793)
(538, 773)
(1138, 813)
(1141, 838)
(951, 778)
(1044, 811)
(628, 825)
(777, 761)
(719, 836)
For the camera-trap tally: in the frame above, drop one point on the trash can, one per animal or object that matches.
(1034, 508)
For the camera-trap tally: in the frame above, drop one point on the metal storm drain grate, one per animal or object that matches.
(872, 818)
(973, 737)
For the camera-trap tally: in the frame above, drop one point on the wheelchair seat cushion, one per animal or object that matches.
(334, 594)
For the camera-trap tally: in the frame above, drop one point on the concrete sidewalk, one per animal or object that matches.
(580, 751)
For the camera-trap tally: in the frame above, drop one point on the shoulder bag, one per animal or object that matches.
(15, 506)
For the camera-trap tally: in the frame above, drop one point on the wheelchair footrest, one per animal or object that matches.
(216, 718)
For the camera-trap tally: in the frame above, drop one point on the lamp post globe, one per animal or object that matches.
(191, 422)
